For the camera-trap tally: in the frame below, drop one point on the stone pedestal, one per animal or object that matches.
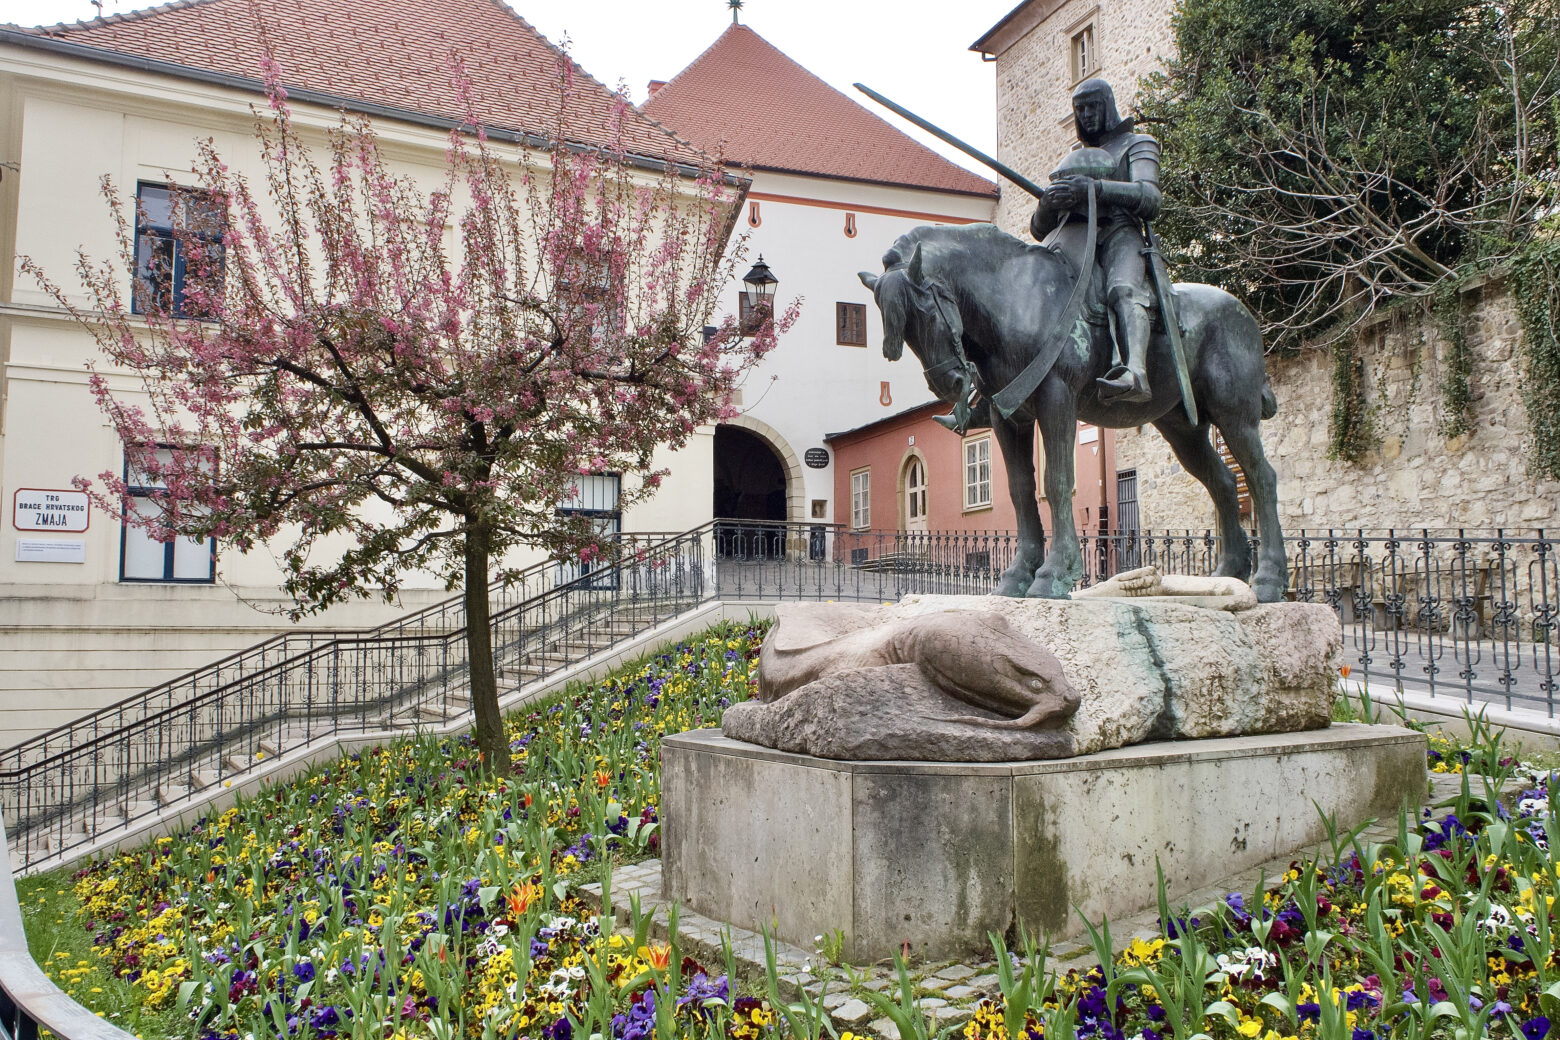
(940, 854)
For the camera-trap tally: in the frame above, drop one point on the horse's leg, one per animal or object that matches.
(1063, 564)
(1245, 443)
(1196, 453)
(1016, 441)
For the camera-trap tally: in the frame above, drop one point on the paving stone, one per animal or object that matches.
(961, 992)
(851, 1011)
(885, 1028)
(928, 1003)
(876, 985)
(934, 983)
(984, 983)
(954, 972)
(834, 1000)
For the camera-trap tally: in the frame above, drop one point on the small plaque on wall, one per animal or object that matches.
(42, 550)
(816, 458)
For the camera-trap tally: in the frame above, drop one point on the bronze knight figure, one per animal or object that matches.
(1129, 196)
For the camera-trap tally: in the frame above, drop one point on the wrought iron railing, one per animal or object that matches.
(1470, 615)
(65, 791)
(263, 658)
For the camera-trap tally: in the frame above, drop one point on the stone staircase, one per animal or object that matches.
(570, 646)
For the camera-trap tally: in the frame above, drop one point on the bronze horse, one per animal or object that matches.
(977, 305)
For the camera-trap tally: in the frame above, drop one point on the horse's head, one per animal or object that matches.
(920, 310)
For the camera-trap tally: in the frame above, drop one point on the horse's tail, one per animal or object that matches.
(1269, 402)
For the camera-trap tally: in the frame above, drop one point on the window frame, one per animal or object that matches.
(847, 315)
(861, 499)
(143, 276)
(169, 548)
(1084, 36)
(971, 487)
(598, 577)
(749, 316)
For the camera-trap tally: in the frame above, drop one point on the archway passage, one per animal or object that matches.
(750, 485)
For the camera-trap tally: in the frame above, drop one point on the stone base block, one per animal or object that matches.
(939, 854)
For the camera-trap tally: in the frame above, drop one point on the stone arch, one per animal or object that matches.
(790, 462)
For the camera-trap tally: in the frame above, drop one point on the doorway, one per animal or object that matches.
(750, 488)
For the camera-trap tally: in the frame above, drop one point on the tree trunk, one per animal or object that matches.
(492, 741)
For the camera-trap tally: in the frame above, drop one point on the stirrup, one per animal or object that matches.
(1121, 386)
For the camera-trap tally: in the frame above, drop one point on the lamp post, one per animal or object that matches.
(760, 283)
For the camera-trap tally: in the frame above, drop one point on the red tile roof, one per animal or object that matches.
(395, 53)
(744, 97)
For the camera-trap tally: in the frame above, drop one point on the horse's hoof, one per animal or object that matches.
(1013, 585)
(1268, 591)
(1047, 587)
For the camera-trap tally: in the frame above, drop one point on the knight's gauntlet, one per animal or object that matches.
(1140, 198)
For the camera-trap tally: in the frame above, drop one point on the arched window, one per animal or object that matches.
(915, 494)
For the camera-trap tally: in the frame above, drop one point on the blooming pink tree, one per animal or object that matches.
(419, 376)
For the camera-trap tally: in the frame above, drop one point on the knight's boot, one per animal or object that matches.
(1128, 384)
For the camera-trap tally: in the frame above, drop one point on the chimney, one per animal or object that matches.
(655, 85)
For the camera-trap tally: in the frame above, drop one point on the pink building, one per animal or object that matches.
(906, 473)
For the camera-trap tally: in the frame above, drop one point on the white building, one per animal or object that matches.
(90, 611)
(833, 186)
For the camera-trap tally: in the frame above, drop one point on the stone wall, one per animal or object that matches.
(1035, 81)
(1414, 477)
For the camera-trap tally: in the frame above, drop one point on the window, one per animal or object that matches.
(178, 246)
(850, 324)
(915, 495)
(748, 316)
(977, 473)
(1084, 58)
(142, 557)
(861, 499)
(596, 499)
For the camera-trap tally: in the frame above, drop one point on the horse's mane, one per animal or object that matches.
(967, 240)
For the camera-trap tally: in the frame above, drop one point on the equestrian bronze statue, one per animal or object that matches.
(1085, 325)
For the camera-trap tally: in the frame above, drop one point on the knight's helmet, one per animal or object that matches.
(1096, 89)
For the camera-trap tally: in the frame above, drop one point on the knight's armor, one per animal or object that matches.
(1128, 196)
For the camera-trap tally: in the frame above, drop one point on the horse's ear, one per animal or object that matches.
(914, 271)
(868, 279)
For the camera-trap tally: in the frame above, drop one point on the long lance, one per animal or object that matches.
(968, 149)
(1009, 397)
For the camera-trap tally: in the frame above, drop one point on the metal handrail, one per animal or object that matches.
(109, 779)
(311, 637)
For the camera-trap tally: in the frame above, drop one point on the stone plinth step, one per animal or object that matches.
(878, 852)
(131, 810)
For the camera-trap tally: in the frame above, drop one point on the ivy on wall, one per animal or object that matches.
(1535, 282)
(1350, 429)
(1457, 376)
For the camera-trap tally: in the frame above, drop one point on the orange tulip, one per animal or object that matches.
(1343, 670)
(657, 957)
(603, 778)
(521, 898)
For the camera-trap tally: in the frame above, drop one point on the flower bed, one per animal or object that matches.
(403, 892)
(400, 893)
(1445, 932)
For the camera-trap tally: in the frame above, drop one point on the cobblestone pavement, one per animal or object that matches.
(947, 993)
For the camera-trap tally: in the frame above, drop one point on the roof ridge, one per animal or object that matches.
(683, 95)
(680, 73)
(507, 9)
(117, 17)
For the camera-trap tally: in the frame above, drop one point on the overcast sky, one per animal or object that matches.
(914, 51)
